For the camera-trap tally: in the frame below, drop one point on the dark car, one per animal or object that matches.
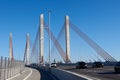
(117, 67)
(97, 65)
(81, 65)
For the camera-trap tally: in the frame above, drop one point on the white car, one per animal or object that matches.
(53, 65)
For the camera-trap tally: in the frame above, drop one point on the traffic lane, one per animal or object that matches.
(89, 68)
(106, 73)
(103, 75)
(67, 75)
(46, 75)
(73, 66)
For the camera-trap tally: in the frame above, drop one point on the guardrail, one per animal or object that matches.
(9, 68)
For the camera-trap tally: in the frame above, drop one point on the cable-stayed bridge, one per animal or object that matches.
(36, 53)
(48, 48)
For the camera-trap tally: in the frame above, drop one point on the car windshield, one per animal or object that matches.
(97, 63)
(53, 63)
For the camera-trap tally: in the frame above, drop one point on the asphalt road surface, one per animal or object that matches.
(46, 75)
(105, 73)
(35, 73)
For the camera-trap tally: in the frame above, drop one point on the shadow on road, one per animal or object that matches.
(70, 69)
(109, 73)
(46, 74)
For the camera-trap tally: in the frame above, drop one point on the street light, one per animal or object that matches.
(49, 13)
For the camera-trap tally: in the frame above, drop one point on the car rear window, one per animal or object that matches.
(118, 64)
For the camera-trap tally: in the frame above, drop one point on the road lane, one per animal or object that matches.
(106, 73)
(46, 75)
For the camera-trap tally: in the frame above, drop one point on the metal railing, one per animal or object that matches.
(9, 68)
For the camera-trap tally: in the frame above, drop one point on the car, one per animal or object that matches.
(117, 67)
(53, 64)
(81, 65)
(97, 65)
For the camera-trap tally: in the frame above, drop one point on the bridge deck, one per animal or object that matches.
(106, 73)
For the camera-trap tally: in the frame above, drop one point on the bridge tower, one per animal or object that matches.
(41, 25)
(67, 36)
(11, 48)
(27, 49)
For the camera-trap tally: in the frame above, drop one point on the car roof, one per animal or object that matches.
(53, 63)
(81, 62)
(98, 62)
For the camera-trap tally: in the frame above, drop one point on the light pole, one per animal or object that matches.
(49, 13)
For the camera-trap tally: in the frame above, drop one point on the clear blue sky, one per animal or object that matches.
(99, 19)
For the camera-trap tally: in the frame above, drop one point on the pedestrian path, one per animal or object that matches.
(27, 74)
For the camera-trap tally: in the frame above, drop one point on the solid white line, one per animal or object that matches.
(28, 75)
(13, 77)
(83, 76)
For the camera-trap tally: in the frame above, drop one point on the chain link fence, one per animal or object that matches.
(9, 68)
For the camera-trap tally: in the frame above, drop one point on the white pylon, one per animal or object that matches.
(41, 38)
(67, 33)
(11, 48)
(27, 50)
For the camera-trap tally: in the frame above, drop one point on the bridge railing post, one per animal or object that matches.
(5, 68)
(1, 68)
(9, 68)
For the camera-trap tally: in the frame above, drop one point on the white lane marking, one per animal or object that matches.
(83, 76)
(16, 75)
(13, 77)
(28, 75)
